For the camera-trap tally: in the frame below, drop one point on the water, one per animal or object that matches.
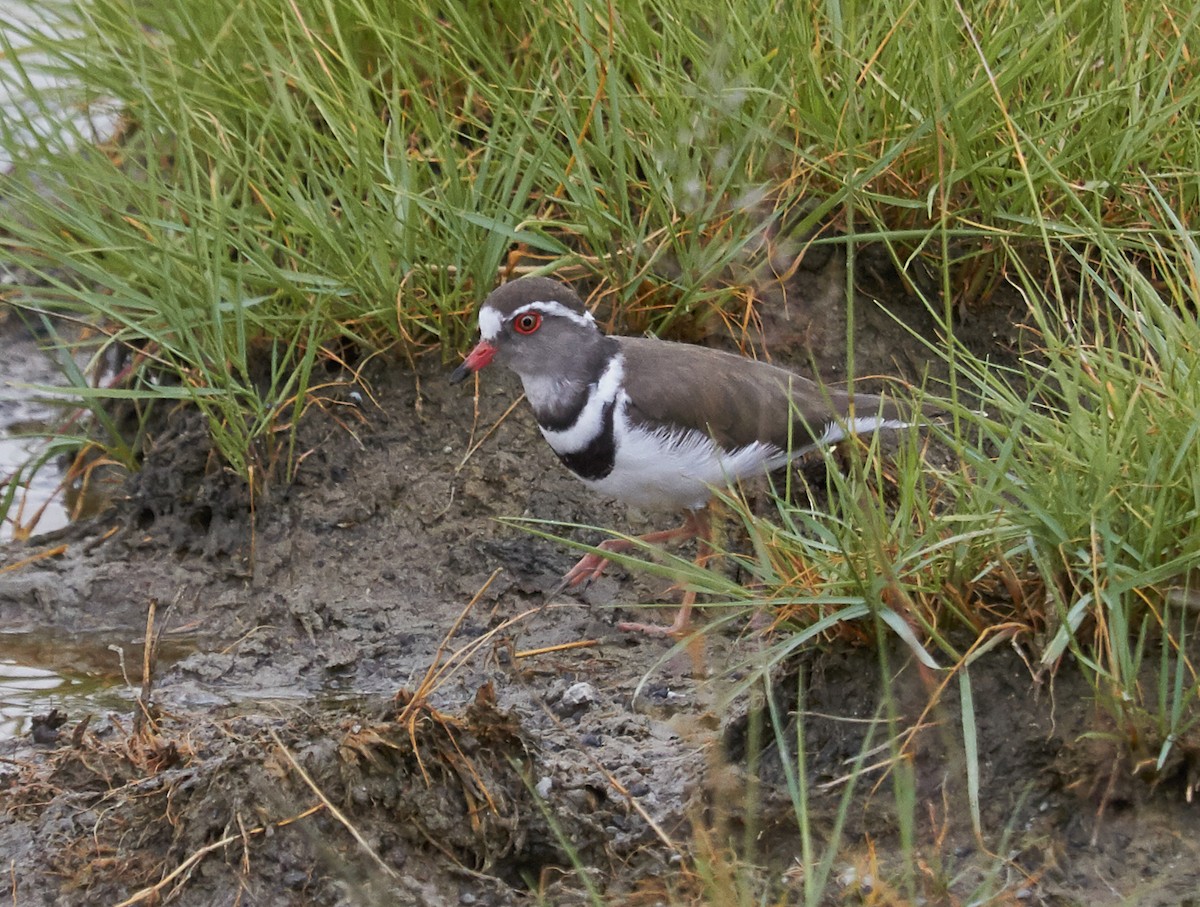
(40, 497)
(23, 417)
(27, 690)
(41, 671)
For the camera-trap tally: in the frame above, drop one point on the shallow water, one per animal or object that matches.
(27, 690)
(42, 671)
(22, 418)
(40, 496)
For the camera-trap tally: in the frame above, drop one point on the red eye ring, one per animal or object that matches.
(527, 322)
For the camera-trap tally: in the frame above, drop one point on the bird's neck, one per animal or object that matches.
(557, 396)
(551, 394)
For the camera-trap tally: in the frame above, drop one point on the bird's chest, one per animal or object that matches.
(578, 420)
(655, 469)
(658, 471)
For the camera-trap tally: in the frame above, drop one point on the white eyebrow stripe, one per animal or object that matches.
(550, 307)
(491, 322)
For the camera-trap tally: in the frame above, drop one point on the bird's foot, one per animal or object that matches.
(676, 630)
(590, 566)
(655, 630)
(581, 574)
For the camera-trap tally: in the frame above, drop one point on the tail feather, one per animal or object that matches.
(859, 425)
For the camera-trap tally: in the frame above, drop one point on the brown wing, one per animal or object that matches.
(735, 400)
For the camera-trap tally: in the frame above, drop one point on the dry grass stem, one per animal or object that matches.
(333, 810)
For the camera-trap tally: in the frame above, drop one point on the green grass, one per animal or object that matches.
(292, 176)
(1070, 530)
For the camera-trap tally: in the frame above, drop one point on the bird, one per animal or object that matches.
(655, 423)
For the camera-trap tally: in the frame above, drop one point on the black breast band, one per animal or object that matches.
(595, 461)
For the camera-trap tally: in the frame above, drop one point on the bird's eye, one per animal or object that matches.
(528, 322)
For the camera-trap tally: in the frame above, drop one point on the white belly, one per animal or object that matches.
(659, 471)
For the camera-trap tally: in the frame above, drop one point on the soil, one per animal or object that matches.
(368, 697)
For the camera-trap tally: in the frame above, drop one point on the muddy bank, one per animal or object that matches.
(298, 748)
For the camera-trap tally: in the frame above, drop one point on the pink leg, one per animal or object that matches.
(591, 566)
(683, 618)
(678, 627)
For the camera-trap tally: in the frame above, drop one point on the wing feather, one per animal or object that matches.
(734, 400)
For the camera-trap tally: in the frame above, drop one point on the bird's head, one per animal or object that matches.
(530, 325)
